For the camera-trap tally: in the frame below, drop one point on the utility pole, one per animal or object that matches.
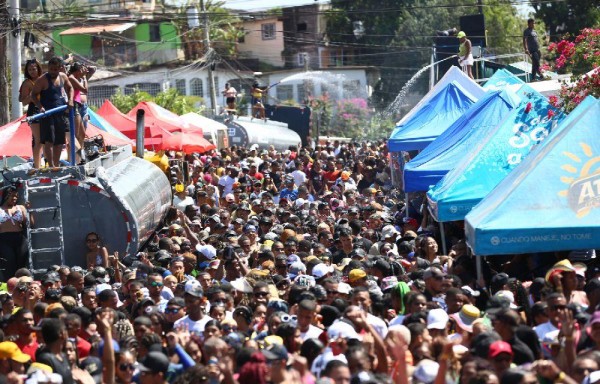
(209, 54)
(15, 61)
(4, 93)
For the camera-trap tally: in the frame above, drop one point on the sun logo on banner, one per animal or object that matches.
(583, 192)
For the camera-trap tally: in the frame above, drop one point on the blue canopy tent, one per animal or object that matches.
(551, 201)
(501, 79)
(453, 74)
(104, 125)
(429, 166)
(432, 119)
(492, 159)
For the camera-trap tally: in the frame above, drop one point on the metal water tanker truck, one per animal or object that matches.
(120, 197)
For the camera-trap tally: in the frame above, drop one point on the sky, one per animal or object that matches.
(256, 5)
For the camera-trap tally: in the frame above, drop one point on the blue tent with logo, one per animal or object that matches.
(551, 201)
(104, 125)
(432, 119)
(442, 155)
(501, 79)
(492, 159)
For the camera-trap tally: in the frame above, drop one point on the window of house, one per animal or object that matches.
(301, 27)
(268, 31)
(301, 92)
(154, 32)
(152, 88)
(332, 89)
(97, 94)
(196, 88)
(285, 92)
(351, 88)
(302, 58)
(179, 85)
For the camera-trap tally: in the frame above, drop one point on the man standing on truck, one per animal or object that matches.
(532, 48)
(53, 89)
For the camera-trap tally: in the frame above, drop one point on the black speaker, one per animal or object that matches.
(474, 27)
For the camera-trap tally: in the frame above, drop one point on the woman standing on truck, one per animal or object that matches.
(33, 70)
(97, 255)
(13, 222)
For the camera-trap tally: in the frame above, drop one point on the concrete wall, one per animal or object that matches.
(268, 51)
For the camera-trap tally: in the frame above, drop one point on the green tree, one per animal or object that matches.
(125, 103)
(568, 16)
(223, 30)
(504, 28)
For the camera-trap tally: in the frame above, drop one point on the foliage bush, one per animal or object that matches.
(580, 55)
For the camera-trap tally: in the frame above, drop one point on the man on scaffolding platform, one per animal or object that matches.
(465, 54)
(257, 105)
(230, 94)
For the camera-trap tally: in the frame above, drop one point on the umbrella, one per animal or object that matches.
(186, 142)
(15, 139)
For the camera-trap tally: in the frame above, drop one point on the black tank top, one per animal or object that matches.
(53, 96)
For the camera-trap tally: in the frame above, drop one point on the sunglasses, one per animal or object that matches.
(156, 284)
(124, 367)
(289, 318)
(261, 294)
(172, 310)
(558, 307)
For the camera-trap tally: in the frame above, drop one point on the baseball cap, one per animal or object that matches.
(215, 218)
(356, 274)
(341, 329)
(595, 318)
(508, 295)
(389, 231)
(425, 371)
(388, 282)
(194, 288)
(498, 347)
(207, 251)
(321, 270)
(461, 34)
(275, 352)
(155, 362)
(437, 319)
(296, 269)
(10, 350)
(433, 272)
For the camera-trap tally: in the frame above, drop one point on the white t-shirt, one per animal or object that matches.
(312, 333)
(544, 328)
(193, 326)
(398, 320)
(227, 183)
(378, 324)
(182, 203)
(299, 177)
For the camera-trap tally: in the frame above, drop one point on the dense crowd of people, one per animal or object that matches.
(302, 266)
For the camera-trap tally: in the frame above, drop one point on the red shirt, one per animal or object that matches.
(29, 349)
(83, 347)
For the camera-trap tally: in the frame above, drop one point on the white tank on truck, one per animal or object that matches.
(120, 197)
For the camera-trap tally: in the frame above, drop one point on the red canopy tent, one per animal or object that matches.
(153, 133)
(187, 143)
(15, 138)
(161, 117)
